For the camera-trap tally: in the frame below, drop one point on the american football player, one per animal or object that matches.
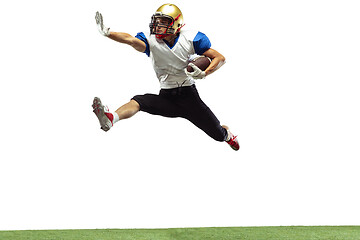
(169, 46)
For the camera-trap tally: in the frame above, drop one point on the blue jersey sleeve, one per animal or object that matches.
(142, 37)
(201, 43)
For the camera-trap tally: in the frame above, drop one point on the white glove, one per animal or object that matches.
(197, 73)
(100, 24)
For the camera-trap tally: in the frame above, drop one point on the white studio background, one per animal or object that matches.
(290, 89)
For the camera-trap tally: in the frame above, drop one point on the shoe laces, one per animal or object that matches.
(232, 141)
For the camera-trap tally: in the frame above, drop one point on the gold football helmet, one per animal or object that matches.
(167, 20)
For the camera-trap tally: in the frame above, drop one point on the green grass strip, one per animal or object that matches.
(238, 233)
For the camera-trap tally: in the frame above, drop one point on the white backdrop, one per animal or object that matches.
(290, 89)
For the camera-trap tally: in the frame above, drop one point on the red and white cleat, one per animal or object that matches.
(232, 140)
(102, 113)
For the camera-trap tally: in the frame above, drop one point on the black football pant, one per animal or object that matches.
(183, 102)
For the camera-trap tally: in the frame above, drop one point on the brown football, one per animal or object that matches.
(201, 62)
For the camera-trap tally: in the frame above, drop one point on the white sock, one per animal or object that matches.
(116, 117)
(228, 136)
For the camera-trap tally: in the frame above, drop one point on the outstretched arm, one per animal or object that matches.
(119, 36)
(129, 40)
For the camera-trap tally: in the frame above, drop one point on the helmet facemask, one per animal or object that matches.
(161, 25)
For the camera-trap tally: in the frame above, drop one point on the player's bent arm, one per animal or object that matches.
(217, 60)
(129, 40)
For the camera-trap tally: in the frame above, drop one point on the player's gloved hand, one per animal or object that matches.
(100, 24)
(197, 73)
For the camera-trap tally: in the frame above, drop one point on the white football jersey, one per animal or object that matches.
(168, 62)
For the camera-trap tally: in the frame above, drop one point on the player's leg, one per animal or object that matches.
(161, 104)
(150, 103)
(127, 110)
(202, 117)
(205, 119)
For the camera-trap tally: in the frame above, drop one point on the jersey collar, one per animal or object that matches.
(176, 40)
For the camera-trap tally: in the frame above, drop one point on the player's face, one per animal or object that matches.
(161, 25)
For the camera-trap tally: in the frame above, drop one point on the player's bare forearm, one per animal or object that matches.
(217, 60)
(129, 40)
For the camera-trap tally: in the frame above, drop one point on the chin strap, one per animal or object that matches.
(161, 36)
